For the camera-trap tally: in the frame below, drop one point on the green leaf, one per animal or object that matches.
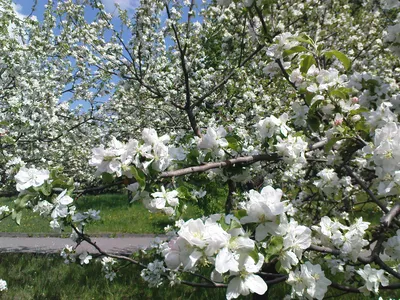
(340, 56)
(223, 224)
(254, 255)
(339, 94)
(240, 213)
(279, 268)
(295, 49)
(306, 63)
(139, 176)
(331, 143)
(362, 126)
(304, 38)
(45, 188)
(315, 105)
(308, 97)
(183, 192)
(208, 157)
(233, 143)
(358, 111)
(107, 177)
(275, 246)
(235, 224)
(16, 216)
(20, 202)
(313, 122)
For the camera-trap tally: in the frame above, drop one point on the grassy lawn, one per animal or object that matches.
(55, 280)
(117, 217)
(59, 281)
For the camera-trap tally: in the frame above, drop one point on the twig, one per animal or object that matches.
(229, 199)
(336, 252)
(344, 288)
(385, 267)
(223, 81)
(366, 189)
(5, 216)
(87, 239)
(204, 285)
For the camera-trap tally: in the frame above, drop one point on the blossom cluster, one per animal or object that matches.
(349, 239)
(154, 151)
(225, 242)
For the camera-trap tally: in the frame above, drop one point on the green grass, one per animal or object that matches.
(37, 276)
(117, 216)
(34, 276)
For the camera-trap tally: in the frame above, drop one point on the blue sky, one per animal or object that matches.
(24, 8)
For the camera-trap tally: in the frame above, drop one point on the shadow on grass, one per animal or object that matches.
(103, 201)
(33, 276)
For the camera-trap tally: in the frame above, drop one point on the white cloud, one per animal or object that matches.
(124, 4)
(18, 10)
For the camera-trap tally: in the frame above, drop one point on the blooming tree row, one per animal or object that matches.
(293, 109)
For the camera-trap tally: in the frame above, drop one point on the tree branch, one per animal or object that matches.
(226, 163)
(85, 238)
(393, 213)
(229, 199)
(366, 189)
(385, 267)
(188, 105)
(201, 99)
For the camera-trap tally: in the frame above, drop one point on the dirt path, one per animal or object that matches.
(121, 245)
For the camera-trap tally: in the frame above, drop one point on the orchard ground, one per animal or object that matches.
(123, 219)
(117, 217)
(26, 282)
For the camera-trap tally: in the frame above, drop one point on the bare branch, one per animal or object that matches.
(182, 51)
(87, 239)
(344, 288)
(385, 267)
(366, 189)
(264, 25)
(5, 216)
(228, 163)
(222, 164)
(356, 290)
(201, 99)
(204, 285)
(393, 213)
(229, 199)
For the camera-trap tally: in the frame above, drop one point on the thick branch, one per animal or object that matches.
(393, 213)
(229, 162)
(350, 289)
(385, 267)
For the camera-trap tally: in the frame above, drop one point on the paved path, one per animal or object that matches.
(121, 245)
